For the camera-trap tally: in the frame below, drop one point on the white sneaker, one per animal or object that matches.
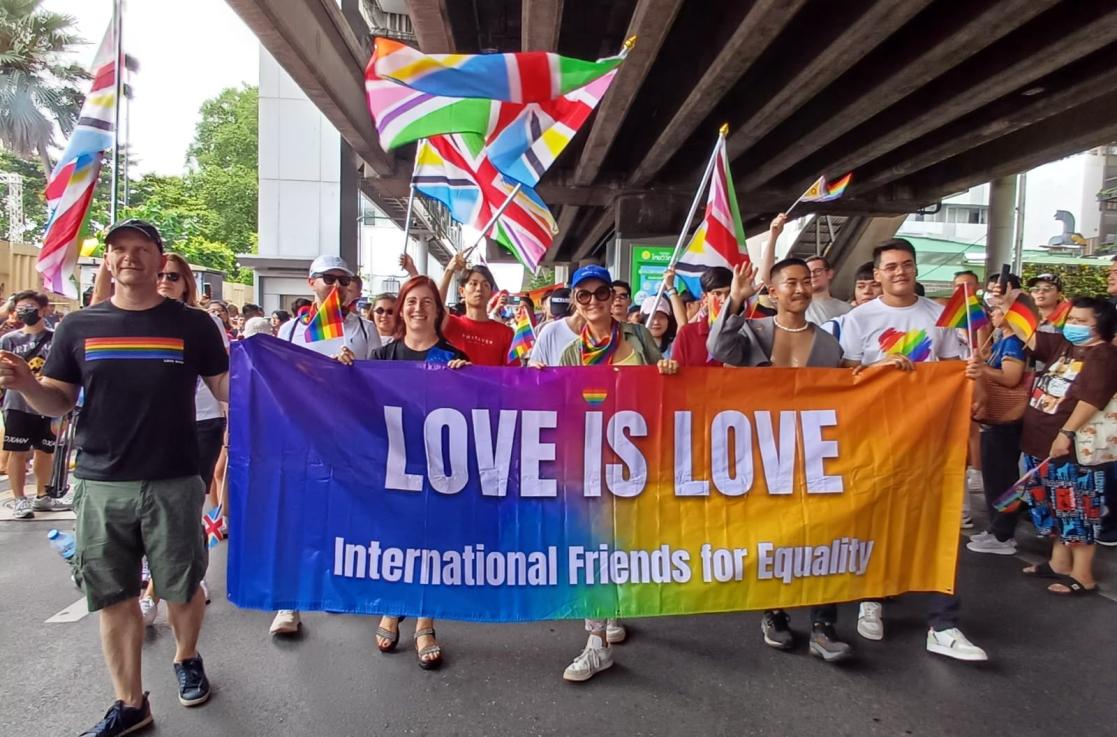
(953, 644)
(983, 535)
(870, 620)
(615, 632)
(974, 482)
(149, 610)
(967, 519)
(22, 508)
(594, 659)
(286, 622)
(50, 504)
(992, 545)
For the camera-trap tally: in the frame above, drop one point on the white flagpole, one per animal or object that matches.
(690, 215)
(492, 221)
(118, 66)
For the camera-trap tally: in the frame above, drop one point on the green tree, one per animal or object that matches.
(1078, 281)
(37, 86)
(545, 277)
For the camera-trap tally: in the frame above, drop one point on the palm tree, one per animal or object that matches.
(37, 89)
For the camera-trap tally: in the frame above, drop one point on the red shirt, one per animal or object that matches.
(689, 348)
(486, 343)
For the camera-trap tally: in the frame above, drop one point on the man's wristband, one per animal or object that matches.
(1069, 433)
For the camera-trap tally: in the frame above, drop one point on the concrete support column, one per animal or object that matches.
(419, 253)
(1002, 217)
(349, 203)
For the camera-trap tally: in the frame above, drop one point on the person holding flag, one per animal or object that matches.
(1047, 291)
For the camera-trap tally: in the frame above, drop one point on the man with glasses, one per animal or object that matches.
(622, 300)
(359, 339)
(1047, 293)
(823, 306)
(898, 329)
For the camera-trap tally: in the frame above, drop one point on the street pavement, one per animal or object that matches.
(1052, 670)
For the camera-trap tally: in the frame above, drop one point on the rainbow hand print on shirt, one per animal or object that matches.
(915, 344)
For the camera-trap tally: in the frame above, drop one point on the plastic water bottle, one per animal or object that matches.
(63, 543)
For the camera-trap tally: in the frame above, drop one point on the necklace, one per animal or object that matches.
(790, 330)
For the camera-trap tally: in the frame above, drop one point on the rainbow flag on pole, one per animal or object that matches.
(823, 191)
(1058, 316)
(329, 321)
(69, 190)
(720, 239)
(524, 338)
(961, 303)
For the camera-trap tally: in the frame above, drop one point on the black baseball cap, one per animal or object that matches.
(144, 228)
(1052, 279)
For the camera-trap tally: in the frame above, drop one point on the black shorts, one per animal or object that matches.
(211, 438)
(24, 431)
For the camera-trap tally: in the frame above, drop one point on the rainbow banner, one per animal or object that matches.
(507, 494)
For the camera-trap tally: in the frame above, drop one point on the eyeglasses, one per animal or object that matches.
(331, 279)
(383, 311)
(601, 294)
(617, 294)
(171, 276)
(818, 272)
(906, 267)
(1042, 290)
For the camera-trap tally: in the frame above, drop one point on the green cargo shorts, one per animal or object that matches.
(119, 522)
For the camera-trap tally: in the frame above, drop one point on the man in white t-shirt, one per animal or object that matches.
(359, 340)
(823, 306)
(560, 331)
(898, 329)
(359, 335)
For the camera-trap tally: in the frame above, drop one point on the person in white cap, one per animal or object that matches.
(360, 337)
(359, 340)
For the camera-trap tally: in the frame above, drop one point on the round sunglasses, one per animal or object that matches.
(604, 293)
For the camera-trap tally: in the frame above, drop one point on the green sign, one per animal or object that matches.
(648, 265)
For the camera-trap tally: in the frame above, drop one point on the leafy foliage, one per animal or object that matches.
(1078, 281)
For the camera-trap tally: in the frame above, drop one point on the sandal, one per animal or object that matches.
(1043, 570)
(1074, 588)
(392, 636)
(428, 663)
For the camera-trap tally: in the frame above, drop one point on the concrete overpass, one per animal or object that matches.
(920, 98)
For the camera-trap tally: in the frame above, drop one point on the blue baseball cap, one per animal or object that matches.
(592, 271)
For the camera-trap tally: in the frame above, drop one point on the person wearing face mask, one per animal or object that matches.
(27, 432)
(1079, 379)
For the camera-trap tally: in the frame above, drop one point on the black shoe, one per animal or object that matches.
(193, 686)
(826, 645)
(1107, 538)
(777, 631)
(121, 720)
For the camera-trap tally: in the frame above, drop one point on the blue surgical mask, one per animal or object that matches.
(1078, 334)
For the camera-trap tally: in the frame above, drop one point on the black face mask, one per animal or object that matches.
(28, 317)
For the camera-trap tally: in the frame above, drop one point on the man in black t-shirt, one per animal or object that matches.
(138, 357)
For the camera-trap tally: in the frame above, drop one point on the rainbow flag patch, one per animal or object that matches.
(135, 349)
(594, 397)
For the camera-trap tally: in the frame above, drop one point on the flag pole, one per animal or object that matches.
(407, 217)
(690, 215)
(118, 71)
(492, 221)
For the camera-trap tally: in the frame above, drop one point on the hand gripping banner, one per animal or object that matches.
(519, 494)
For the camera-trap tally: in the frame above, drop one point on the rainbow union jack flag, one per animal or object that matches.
(70, 187)
(456, 170)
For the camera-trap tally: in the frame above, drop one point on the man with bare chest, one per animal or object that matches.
(786, 339)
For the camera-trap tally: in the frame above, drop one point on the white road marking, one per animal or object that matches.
(73, 613)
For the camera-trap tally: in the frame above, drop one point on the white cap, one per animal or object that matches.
(327, 262)
(649, 305)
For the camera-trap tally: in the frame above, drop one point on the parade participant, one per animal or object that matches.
(250, 311)
(690, 343)
(555, 335)
(216, 307)
(865, 289)
(486, 341)
(662, 324)
(278, 318)
(359, 340)
(898, 329)
(823, 306)
(787, 339)
(1000, 443)
(604, 340)
(144, 392)
(28, 434)
(1047, 293)
(383, 311)
(418, 338)
(622, 300)
(1080, 379)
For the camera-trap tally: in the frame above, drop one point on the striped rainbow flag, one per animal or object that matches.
(69, 190)
(135, 349)
(529, 76)
(956, 309)
(524, 338)
(329, 321)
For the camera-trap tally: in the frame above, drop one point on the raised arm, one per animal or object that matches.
(672, 293)
(768, 255)
(456, 264)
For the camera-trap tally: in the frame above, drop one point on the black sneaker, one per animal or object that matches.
(121, 720)
(1107, 538)
(193, 686)
(826, 645)
(777, 630)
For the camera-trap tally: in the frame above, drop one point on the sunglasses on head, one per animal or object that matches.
(331, 279)
(604, 293)
(383, 311)
(171, 276)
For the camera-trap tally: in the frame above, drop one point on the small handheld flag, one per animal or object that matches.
(1010, 499)
(211, 521)
(1058, 317)
(823, 191)
(329, 321)
(954, 315)
(524, 338)
(1022, 317)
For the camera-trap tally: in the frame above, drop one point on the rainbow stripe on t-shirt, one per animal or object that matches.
(142, 349)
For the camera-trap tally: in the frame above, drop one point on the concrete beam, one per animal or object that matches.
(431, 22)
(540, 21)
(877, 23)
(565, 224)
(594, 233)
(313, 43)
(1033, 63)
(764, 21)
(893, 83)
(650, 22)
